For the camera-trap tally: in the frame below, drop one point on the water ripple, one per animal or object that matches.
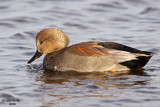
(150, 10)
(7, 24)
(80, 26)
(113, 5)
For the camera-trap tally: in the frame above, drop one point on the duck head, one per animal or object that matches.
(48, 41)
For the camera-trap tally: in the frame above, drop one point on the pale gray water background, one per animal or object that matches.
(131, 22)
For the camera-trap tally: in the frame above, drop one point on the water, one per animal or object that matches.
(131, 22)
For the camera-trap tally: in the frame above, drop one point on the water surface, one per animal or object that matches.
(134, 23)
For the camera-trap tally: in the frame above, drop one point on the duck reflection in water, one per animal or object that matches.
(64, 86)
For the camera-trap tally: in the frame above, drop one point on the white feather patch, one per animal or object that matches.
(122, 56)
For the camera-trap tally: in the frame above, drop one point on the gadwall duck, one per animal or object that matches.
(86, 56)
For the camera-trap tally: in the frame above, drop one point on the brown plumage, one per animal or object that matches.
(86, 56)
(89, 49)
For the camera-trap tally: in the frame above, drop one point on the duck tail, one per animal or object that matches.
(149, 53)
(140, 62)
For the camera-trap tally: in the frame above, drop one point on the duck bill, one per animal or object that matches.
(35, 56)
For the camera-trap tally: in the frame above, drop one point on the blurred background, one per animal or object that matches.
(134, 23)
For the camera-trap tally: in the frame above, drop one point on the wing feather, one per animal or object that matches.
(89, 49)
(93, 49)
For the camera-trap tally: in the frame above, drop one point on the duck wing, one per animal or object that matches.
(118, 46)
(142, 57)
(121, 54)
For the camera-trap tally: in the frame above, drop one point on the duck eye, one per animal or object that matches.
(41, 42)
